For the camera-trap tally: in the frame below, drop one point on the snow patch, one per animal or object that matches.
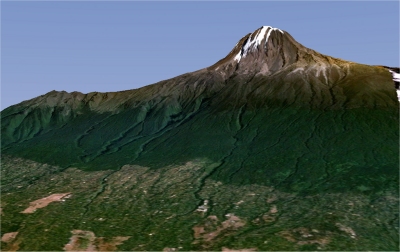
(238, 56)
(297, 70)
(396, 76)
(261, 35)
(253, 43)
(322, 69)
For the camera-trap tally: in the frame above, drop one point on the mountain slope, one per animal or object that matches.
(282, 71)
(273, 115)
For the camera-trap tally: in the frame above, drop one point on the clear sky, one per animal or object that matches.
(112, 46)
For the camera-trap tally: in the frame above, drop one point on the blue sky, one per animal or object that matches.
(112, 46)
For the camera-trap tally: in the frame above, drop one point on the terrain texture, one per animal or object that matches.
(274, 147)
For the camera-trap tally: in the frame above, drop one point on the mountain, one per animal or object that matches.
(274, 147)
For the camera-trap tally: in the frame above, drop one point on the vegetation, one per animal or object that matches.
(298, 151)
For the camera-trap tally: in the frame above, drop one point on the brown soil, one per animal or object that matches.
(321, 241)
(102, 245)
(233, 222)
(198, 231)
(211, 229)
(224, 249)
(81, 241)
(12, 244)
(12, 247)
(86, 241)
(40, 203)
(303, 236)
(9, 237)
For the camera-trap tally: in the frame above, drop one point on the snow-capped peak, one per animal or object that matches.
(255, 40)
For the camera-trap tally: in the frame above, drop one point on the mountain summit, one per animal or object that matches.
(274, 147)
(256, 41)
(301, 76)
(266, 50)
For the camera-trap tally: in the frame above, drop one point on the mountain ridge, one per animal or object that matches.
(300, 59)
(296, 76)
